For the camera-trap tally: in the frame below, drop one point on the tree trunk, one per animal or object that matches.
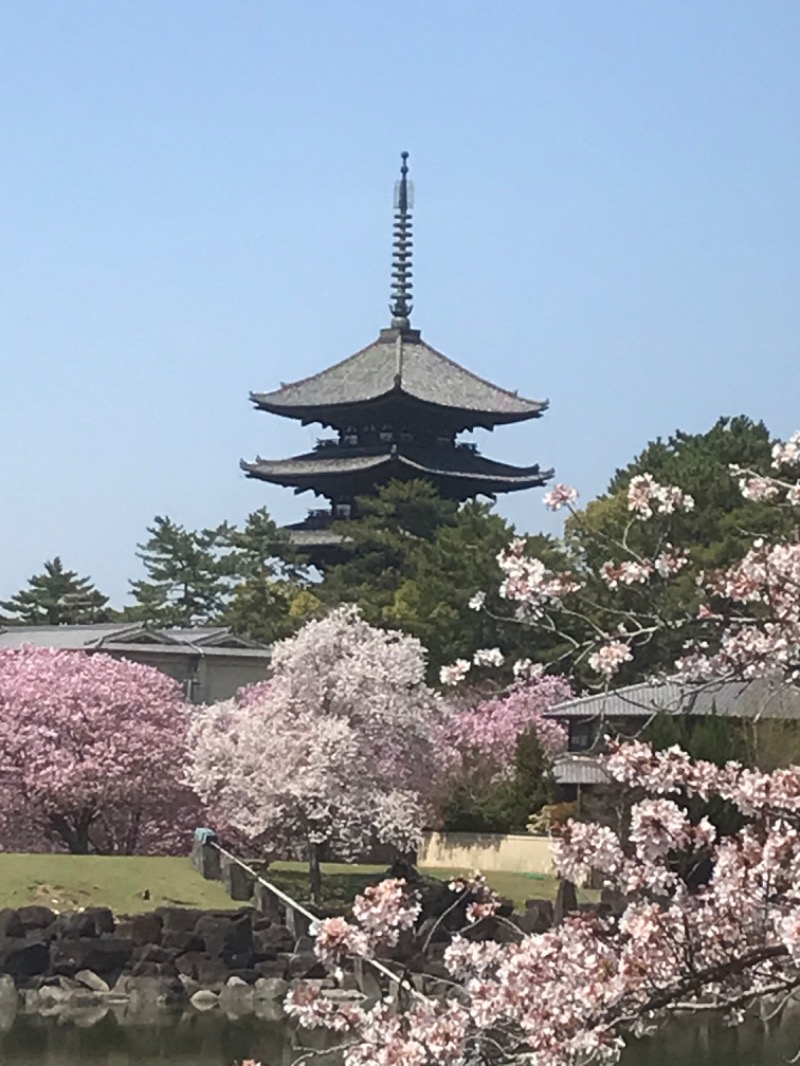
(314, 874)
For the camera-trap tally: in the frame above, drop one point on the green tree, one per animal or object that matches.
(715, 533)
(188, 582)
(270, 579)
(478, 800)
(415, 562)
(57, 597)
(460, 560)
(383, 544)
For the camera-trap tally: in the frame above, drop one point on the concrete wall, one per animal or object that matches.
(487, 851)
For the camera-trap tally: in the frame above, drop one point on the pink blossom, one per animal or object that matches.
(560, 496)
(625, 573)
(495, 726)
(455, 672)
(488, 657)
(608, 659)
(83, 738)
(337, 747)
(758, 489)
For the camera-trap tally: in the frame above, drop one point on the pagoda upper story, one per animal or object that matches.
(396, 408)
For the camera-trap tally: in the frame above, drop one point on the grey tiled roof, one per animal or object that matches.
(579, 770)
(456, 463)
(736, 699)
(405, 365)
(128, 637)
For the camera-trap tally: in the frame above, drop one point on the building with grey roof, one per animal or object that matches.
(627, 711)
(209, 662)
(396, 407)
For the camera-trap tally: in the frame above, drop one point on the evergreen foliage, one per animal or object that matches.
(57, 597)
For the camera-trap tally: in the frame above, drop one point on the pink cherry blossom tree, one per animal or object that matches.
(337, 749)
(92, 753)
(707, 921)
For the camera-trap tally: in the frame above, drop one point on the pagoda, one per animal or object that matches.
(396, 409)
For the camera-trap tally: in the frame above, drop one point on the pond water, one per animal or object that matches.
(213, 1040)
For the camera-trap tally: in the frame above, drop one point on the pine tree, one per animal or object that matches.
(57, 597)
(270, 577)
(187, 579)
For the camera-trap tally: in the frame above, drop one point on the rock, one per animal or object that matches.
(146, 929)
(211, 972)
(342, 995)
(154, 953)
(273, 940)
(204, 1000)
(101, 955)
(29, 998)
(249, 976)
(103, 919)
(86, 1017)
(538, 916)
(182, 942)
(189, 984)
(187, 964)
(236, 998)
(269, 1010)
(36, 917)
(271, 988)
(10, 924)
(235, 982)
(178, 919)
(91, 980)
(74, 925)
(145, 992)
(494, 928)
(273, 967)
(306, 965)
(23, 957)
(8, 990)
(145, 968)
(227, 936)
(431, 931)
(303, 944)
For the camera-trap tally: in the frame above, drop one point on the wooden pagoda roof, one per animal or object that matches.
(460, 468)
(398, 365)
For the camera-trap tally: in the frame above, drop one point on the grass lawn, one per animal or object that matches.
(65, 882)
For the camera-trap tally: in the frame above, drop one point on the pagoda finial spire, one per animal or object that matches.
(401, 304)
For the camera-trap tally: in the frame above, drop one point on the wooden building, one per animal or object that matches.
(395, 409)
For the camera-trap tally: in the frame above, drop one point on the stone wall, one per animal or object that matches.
(487, 852)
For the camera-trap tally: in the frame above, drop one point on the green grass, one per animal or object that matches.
(341, 882)
(66, 882)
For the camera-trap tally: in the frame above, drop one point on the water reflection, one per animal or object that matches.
(213, 1040)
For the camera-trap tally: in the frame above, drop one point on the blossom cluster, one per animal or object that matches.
(576, 991)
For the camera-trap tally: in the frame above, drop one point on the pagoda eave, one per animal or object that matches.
(355, 475)
(387, 406)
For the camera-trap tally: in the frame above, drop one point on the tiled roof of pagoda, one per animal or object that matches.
(399, 364)
(313, 469)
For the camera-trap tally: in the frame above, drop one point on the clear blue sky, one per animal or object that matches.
(195, 201)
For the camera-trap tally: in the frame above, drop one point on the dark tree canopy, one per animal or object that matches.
(717, 532)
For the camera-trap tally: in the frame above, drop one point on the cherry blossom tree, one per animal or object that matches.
(707, 920)
(92, 753)
(747, 619)
(337, 749)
